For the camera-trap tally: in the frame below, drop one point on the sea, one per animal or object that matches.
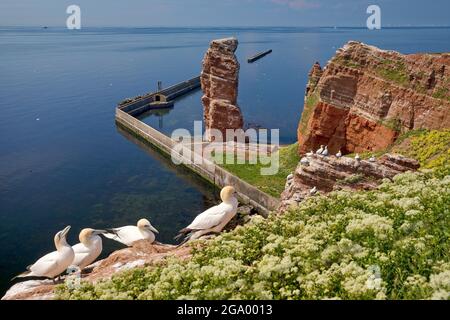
(63, 160)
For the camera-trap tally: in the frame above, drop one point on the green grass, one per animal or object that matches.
(394, 71)
(308, 109)
(442, 93)
(251, 173)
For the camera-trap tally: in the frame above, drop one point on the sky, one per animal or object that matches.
(193, 13)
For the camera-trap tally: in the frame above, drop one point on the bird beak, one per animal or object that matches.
(65, 231)
(99, 232)
(153, 229)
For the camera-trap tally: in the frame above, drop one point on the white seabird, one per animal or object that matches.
(214, 219)
(313, 191)
(304, 161)
(325, 152)
(320, 150)
(54, 263)
(357, 157)
(372, 159)
(130, 234)
(89, 248)
(310, 154)
(339, 154)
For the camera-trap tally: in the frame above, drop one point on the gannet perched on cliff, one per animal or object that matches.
(325, 152)
(214, 219)
(54, 263)
(130, 234)
(89, 248)
(372, 159)
(339, 154)
(357, 157)
(319, 152)
(304, 161)
(310, 154)
(313, 191)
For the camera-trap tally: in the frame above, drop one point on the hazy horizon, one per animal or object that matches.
(228, 13)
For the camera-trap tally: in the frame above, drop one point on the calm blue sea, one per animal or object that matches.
(62, 159)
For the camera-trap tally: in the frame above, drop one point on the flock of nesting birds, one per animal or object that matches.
(323, 151)
(83, 254)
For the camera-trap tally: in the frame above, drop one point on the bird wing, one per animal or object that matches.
(45, 264)
(210, 218)
(81, 253)
(125, 235)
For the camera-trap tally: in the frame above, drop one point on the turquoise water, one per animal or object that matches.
(62, 159)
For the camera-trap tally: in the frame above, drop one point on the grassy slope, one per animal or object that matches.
(390, 243)
(272, 185)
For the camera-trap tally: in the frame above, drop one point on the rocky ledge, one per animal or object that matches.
(327, 174)
(366, 96)
(141, 254)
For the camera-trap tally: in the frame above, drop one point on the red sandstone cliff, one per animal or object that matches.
(219, 80)
(365, 97)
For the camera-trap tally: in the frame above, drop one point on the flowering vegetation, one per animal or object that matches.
(389, 243)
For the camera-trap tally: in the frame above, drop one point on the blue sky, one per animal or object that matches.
(224, 12)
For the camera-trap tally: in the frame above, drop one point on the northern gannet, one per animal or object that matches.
(313, 191)
(89, 248)
(130, 234)
(310, 154)
(214, 219)
(54, 263)
(339, 154)
(372, 159)
(304, 161)
(320, 150)
(325, 151)
(357, 157)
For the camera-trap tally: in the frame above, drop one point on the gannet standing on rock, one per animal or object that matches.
(214, 219)
(372, 159)
(310, 154)
(130, 234)
(319, 152)
(339, 154)
(89, 248)
(304, 161)
(313, 191)
(54, 263)
(325, 152)
(357, 157)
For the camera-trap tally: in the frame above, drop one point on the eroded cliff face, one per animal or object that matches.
(365, 97)
(220, 80)
(329, 174)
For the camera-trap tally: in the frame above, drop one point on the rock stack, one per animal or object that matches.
(220, 80)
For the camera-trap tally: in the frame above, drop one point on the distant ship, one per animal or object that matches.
(45, 27)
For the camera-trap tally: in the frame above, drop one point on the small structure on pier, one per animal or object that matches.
(162, 98)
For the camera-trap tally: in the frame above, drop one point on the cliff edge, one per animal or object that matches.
(366, 96)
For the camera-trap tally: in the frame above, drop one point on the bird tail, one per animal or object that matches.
(187, 233)
(111, 233)
(23, 274)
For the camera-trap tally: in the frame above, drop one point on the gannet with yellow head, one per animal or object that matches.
(214, 219)
(89, 248)
(54, 263)
(130, 234)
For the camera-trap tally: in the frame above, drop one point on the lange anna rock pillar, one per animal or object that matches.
(220, 80)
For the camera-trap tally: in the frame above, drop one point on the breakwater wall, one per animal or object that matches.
(205, 168)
